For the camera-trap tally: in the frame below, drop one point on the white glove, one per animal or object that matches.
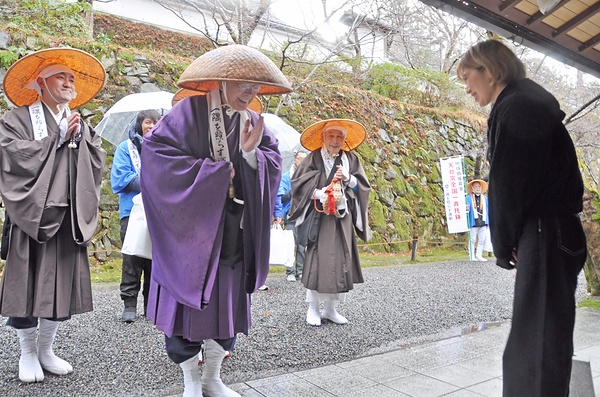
(320, 194)
(345, 175)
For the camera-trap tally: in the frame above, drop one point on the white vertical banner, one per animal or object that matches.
(453, 180)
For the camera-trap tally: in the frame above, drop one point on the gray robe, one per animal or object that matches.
(52, 199)
(331, 264)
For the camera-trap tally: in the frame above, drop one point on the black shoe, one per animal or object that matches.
(129, 314)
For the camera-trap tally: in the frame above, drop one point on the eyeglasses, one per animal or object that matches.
(248, 87)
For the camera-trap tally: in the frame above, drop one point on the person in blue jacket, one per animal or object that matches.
(479, 219)
(125, 181)
(282, 206)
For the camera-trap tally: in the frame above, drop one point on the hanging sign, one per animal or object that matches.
(453, 180)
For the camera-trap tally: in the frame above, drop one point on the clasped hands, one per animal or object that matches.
(73, 126)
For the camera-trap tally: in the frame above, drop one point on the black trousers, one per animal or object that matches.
(131, 274)
(180, 349)
(29, 322)
(538, 355)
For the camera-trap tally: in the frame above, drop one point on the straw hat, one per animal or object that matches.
(484, 185)
(234, 63)
(312, 137)
(89, 75)
(182, 93)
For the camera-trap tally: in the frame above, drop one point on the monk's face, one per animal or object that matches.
(240, 94)
(476, 188)
(333, 141)
(57, 89)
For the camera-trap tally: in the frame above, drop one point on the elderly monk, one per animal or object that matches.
(330, 195)
(209, 180)
(50, 178)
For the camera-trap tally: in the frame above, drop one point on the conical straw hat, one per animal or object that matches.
(181, 93)
(312, 137)
(234, 63)
(90, 75)
(484, 185)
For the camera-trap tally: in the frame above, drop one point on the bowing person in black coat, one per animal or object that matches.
(537, 190)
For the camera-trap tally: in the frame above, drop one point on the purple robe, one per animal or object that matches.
(185, 193)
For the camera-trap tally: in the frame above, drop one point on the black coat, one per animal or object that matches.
(533, 166)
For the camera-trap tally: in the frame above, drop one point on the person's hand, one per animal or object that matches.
(320, 194)
(509, 264)
(73, 125)
(340, 175)
(251, 135)
(278, 221)
(505, 264)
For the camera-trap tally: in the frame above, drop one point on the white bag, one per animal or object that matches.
(137, 238)
(282, 246)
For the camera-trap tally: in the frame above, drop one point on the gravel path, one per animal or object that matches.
(396, 306)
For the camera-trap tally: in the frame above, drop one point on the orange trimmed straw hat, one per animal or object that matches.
(484, 185)
(182, 93)
(312, 137)
(90, 75)
(234, 63)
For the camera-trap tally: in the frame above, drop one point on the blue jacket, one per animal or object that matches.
(486, 215)
(281, 205)
(124, 179)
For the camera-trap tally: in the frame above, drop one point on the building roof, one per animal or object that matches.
(568, 32)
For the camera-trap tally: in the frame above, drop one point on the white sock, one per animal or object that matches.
(29, 365)
(48, 360)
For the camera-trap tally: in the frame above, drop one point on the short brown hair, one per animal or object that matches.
(493, 55)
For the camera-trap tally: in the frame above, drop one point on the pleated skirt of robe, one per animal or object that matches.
(227, 313)
(49, 280)
(332, 265)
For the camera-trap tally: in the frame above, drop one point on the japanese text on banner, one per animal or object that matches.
(453, 179)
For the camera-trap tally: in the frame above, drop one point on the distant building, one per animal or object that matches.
(270, 33)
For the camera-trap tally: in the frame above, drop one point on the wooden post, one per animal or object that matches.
(413, 255)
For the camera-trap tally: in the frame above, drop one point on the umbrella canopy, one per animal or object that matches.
(114, 126)
(288, 137)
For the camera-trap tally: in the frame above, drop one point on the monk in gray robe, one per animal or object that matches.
(209, 181)
(50, 174)
(330, 197)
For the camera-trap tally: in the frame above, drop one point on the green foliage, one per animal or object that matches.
(126, 56)
(595, 202)
(591, 303)
(51, 17)
(104, 272)
(377, 221)
(103, 38)
(418, 86)
(7, 58)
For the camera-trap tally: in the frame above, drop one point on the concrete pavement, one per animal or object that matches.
(468, 362)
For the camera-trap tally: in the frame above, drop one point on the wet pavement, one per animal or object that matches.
(468, 362)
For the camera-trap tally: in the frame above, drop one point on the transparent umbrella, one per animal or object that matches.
(114, 126)
(288, 137)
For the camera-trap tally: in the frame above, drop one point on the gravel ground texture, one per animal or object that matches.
(395, 307)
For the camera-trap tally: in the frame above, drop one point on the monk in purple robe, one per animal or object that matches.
(209, 181)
